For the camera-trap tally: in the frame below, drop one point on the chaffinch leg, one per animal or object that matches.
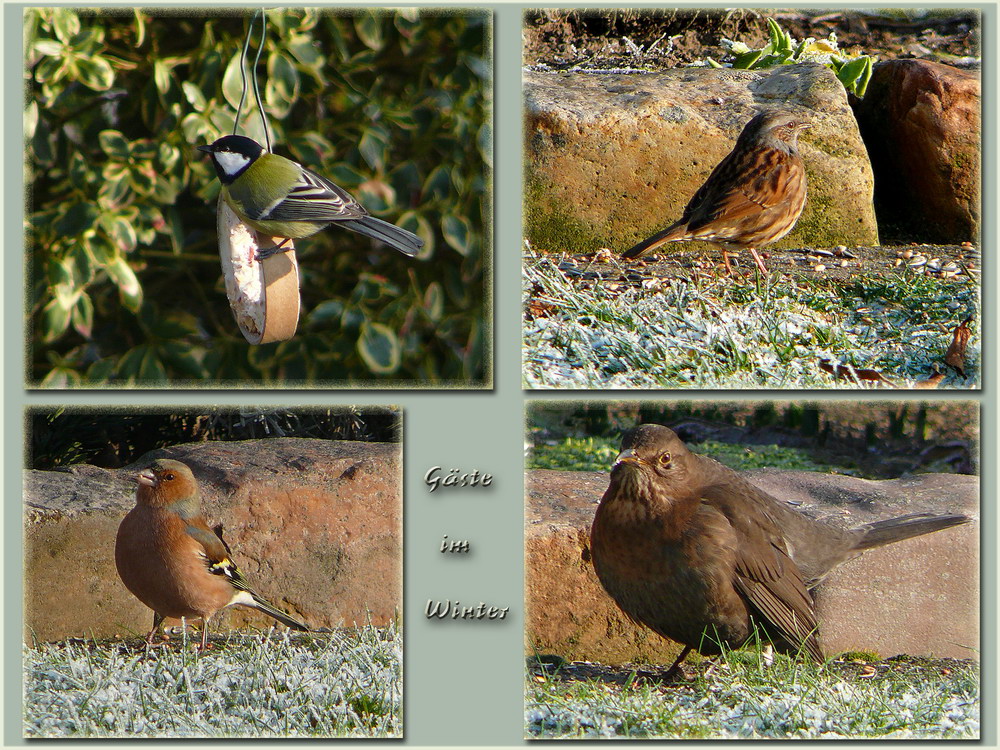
(157, 621)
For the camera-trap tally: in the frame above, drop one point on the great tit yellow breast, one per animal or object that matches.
(260, 188)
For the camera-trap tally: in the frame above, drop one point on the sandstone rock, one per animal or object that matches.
(920, 596)
(613, 158)
(315, 525)
(921, 122)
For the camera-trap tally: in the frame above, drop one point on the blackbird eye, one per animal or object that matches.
(664, 459)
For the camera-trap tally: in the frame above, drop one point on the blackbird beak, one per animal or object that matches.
(627, 456)
(146, 478)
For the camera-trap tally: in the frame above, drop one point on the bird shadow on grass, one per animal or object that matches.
(865, 697)
(849, 667)
(550, 667)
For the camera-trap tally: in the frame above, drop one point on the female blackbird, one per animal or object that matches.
(692, 550)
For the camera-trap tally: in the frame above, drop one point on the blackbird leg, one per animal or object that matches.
(675, 668)
(757, 259)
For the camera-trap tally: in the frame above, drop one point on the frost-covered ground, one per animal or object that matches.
(347, 683)
(670, 333)
(789, 700)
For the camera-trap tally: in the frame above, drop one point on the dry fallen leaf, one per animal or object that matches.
(956, 352)
(931, 382)
(845, 371)
(539, 309)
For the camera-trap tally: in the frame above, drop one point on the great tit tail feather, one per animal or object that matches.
(406, 242)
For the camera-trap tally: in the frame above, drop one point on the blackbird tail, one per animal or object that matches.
(896, 529)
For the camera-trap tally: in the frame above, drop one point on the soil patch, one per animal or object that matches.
(957, 262)
(659, 39)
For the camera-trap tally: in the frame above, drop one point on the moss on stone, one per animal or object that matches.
(823, 225)
(551, 226)
(833, 147)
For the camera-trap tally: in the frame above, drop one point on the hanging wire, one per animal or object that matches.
(256, 88)
(243, 75)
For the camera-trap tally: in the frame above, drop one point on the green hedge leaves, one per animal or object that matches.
(125, 283)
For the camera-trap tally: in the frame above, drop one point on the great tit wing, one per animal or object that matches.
(314, 198)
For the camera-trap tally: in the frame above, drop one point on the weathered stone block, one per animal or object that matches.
(315, 525)
(613, 158)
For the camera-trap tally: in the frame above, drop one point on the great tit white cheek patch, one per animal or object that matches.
(263, 294)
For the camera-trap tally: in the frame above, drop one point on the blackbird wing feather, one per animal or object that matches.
(786, 608)
(765, 574)
(762, 552)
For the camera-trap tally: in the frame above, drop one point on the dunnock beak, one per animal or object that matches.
(752, 198)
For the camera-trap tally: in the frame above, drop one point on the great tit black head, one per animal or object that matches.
(280, 198)
(232, 155)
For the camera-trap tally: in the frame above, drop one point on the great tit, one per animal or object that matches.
(280, 198)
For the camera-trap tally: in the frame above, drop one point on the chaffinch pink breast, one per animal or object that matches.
(173, 562)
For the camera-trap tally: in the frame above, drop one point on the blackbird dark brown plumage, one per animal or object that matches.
(690, 549)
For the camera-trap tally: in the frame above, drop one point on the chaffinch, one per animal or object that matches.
(173, 562)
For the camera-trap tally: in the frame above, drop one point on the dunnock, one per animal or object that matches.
(692, 550)
(752, 198)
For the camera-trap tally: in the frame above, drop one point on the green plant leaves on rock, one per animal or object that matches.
(782, 49)
(855, 74)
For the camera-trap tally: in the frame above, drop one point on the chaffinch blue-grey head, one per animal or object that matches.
(174, 563)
